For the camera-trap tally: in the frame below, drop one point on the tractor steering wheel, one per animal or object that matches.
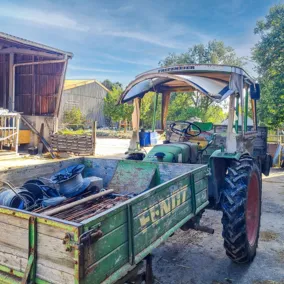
(184, 132)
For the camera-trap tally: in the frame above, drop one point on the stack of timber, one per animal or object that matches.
(78, 144)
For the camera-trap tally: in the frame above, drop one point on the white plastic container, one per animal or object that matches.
(154, 138)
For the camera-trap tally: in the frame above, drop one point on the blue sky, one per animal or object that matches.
(116, 39)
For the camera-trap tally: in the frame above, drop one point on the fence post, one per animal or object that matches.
(94, 133)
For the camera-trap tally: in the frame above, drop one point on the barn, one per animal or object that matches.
(88, 96)
(31, 84)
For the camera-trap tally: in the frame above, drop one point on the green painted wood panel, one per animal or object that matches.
(159, 195)
(106, 245)
(161, 209)
(201, 197)
(107, 265)
(200, 185)
(109, 222)
(146, 237)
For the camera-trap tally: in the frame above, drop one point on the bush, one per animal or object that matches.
(74, 118)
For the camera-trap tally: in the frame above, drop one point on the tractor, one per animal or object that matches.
(236, 157)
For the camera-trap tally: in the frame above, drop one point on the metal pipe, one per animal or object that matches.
(246, 111)
(237, 115)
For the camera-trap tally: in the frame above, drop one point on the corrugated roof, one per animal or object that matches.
(71, 84)
(33, 44)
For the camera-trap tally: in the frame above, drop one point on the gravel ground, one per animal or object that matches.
(199, 258)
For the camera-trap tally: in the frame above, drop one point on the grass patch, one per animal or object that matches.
(267, 236)
(75, 132)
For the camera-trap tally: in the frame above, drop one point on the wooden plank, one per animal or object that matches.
(200, 174)
(158, 228)
(47, 246)
(110, 223)
(107, 265)
(158, 211)
(105, 245)
(201, 197)
(158, 196)
(200, 185)
(48, 271)
(51, 253)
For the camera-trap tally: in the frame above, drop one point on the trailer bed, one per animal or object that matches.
(105, 247)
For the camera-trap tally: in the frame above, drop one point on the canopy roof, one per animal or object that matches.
(215, 81)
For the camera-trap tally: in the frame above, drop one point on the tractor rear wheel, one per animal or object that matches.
(241, 206)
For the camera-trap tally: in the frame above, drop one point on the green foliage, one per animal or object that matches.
(74, 117)
(116, 112)
(109, 85)
(269, 55)
(181, 107)
(215, 52)
(194, 104)
(147, 110)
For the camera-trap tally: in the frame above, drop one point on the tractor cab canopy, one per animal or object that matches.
(215, 81)
(218, 82)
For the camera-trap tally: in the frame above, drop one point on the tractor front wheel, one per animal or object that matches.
(241, 206)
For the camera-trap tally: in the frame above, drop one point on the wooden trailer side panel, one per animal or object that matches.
(53, 263)
(18, 176)
(132, 230)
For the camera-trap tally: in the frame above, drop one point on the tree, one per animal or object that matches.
(109, 85)
(147, 110)
(269, 55)
(215, 52)
(115, 112)
(74, 118)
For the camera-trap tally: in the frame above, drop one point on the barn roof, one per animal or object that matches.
(71, 84)
(5, 39)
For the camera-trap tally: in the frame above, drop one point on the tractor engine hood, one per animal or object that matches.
(217, 84)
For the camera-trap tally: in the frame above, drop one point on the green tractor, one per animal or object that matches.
(236, 156)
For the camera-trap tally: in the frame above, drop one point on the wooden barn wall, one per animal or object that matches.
(37, 86)
(89, 98)
(4, 80)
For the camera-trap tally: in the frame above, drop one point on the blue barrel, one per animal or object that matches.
(144, 139)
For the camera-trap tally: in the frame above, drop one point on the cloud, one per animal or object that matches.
(41, 17)
(148, 38)
(125, 60)
(72, 67)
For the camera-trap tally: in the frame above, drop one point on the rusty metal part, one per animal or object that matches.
(81, 201)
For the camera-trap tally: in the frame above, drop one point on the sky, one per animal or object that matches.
(116, 40)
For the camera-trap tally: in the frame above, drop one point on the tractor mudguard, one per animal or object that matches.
(219, 162)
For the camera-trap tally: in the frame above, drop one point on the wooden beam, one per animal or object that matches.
(231, 142)
(165, 107)
(61, 87)
(4, 83)
(33, 87)
(11, 82)
(29, 52)
(94, 137)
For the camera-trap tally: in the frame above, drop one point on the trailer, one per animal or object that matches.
(108, 247)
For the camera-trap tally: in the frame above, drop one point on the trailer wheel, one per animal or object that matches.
(241, 206)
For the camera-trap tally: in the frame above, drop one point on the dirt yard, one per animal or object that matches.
(198, 258)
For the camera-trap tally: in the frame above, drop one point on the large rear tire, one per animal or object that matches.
(241, 206)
